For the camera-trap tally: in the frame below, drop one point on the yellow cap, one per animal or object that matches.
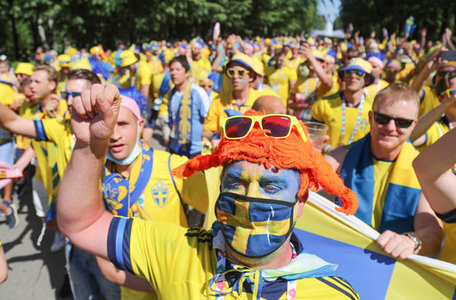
(245, 60)
(24, 68)
(317, 54)
(7, 94)
(71, 51)
(96, 50)
(258, 67)
(359, 64)
(64, 60)
(127, 58)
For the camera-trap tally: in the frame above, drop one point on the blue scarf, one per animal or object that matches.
(118, 193)
(182, 121)
(403, 191)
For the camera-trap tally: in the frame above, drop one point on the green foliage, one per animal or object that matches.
(369, 15)
(84, 23)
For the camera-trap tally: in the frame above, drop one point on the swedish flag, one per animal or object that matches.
(350, 243)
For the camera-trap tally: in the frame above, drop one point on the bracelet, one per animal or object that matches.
(415, 239)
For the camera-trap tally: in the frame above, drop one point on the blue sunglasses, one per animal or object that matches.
(65, 94)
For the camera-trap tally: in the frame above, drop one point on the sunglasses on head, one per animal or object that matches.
(65, 94)
(240, 72)
(276, 125)
(358, 74)
(449, 92)
(385, 119)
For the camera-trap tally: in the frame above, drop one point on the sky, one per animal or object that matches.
(328, 7)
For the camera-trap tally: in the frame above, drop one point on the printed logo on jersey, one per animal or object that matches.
(160, 193)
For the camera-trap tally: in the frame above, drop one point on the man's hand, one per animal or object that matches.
(434, 60)
(17, 104)
(94, 114)
(306, 50)
(52, 107)
(396, 245)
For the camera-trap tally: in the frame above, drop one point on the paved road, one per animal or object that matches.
(34, 272)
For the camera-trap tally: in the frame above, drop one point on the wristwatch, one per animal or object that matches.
(411, 235)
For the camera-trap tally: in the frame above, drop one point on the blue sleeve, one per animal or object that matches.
(39, 130)
(119, 243)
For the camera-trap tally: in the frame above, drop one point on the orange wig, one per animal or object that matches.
(283, 153)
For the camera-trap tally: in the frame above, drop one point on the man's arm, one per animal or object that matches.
(25, 158)
(429, 118)
(336, 158)
(123, 278)
(436, 179)
(15, 123)
(321, 73)
(428, 229)
(80, 212)
(430, 65)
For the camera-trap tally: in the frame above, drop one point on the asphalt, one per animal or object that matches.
(33, 271)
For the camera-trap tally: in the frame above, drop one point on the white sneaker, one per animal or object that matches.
(59, 242)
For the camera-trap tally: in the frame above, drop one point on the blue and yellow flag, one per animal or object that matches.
(409, 26)
(350, 243)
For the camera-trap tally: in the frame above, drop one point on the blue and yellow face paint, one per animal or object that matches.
(254, 227)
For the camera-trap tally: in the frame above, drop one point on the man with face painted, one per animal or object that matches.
(251, 251)
(346, 112)
(238, 98)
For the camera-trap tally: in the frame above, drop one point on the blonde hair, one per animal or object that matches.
(397, 92)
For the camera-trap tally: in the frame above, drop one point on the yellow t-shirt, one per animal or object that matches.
(372, 89)
(279, 80)
(155, 65)
(144, 75)
(28, 111)
(435, 132)
(7, 94)
(179, 263)
(157, 80)
(449, 247)
(328, 110)
(312, 88)
(429, 100)
(60, 133)
(160, 200)
(52, 148)
(217, 114)
(382, 172)
(294, 63)
(200, 69)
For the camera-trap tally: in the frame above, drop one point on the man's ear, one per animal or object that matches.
(253, 77)
(301, 203)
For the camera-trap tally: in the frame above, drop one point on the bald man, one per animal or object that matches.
(270, 104)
